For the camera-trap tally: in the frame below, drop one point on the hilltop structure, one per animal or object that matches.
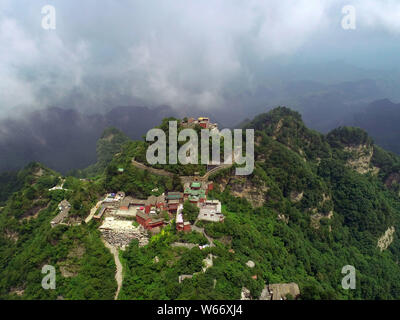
(211, 211)
(203, 122)
(64, 207)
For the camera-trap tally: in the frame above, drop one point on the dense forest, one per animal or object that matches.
(314, 204)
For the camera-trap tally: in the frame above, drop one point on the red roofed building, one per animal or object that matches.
(148, 222)
(142, 218)
(204, 122)
(182, 225)
(173, 206)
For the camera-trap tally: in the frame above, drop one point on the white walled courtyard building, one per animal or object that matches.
(211, 211)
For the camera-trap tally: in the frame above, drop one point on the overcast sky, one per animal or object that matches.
(179, 53)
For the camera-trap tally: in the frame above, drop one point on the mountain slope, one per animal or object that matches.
(314, 204)
(84, 267)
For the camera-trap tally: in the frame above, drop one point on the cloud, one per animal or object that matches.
(384, 14)
(180, 53)
(36, 71)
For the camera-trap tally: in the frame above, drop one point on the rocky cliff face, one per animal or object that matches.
(296, 196)
(360, 158)
(276, 291)
(243, 188)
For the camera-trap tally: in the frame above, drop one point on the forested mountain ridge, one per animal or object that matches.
(85, 268)
(338, 193)
(325, 165)
(313, 204)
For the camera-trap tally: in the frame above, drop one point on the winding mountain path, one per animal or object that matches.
(118, 264)
(93, 211)
(215, 170)
(158, 172)
(164, 173)
(203, 232)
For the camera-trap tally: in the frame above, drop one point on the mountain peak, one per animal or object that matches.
(349, 136)
(274, 117)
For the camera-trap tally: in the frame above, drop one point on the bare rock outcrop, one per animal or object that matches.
(245, 294)
(386, 239)
(277, 129)
(11, 235)
(120, 233)
(317, 216)
(244, 188)
(280, 291)
(283, 217)
(360, 159)
(296, 196)
(19, 291)
(316, 219)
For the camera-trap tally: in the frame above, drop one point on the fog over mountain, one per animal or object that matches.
(186, 54)
(381, 119)
(312, 214)
(66, 139)
(227, 59)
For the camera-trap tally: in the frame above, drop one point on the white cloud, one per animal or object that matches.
(180, 53)
(36, 71)
(383, 14)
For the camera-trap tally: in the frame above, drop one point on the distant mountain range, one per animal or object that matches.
(381, 119)
(325, 107)
(66, 139)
